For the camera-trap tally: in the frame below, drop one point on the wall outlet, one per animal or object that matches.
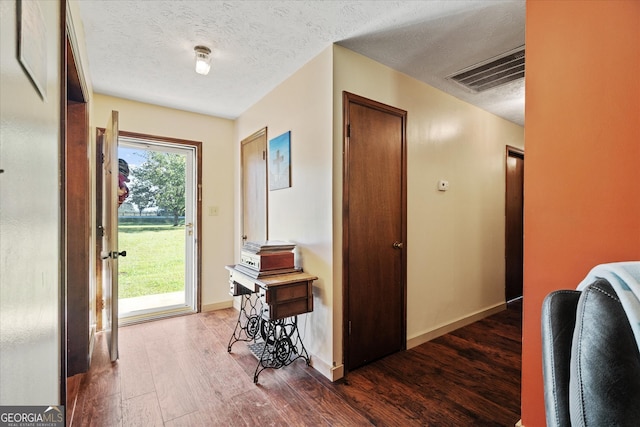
(213, 211)
(443, 185)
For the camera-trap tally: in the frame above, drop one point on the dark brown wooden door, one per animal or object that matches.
(78, 235)
(514, 209)
(374, 230)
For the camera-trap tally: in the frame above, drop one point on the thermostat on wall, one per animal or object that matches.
(443, 185)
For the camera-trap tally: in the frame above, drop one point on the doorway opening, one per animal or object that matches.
(514, 223)
(157, 227)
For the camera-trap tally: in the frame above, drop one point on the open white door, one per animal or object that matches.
(109, 253)
(191, 227)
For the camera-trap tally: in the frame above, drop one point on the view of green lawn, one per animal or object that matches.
(155, 258)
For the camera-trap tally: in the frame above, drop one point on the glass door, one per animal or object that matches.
(157, 225)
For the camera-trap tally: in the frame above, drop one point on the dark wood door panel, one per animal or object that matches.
(374, 220)
(78, 230)
(514, 206)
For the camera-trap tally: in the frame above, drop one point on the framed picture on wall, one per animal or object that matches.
(280, 161)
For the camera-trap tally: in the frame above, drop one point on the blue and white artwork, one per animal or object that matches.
(280, 161)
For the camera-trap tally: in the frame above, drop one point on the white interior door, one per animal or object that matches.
(191, 225)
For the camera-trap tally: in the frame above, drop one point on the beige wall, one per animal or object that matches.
(216, 135)
(79, 47)
(302, 213)
(455, 247)
(456, 238)
(29, 218)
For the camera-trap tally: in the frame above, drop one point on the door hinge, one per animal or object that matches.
(101, 304)
(102, 158)
(348, 131)
(349, 327)
(264, 155)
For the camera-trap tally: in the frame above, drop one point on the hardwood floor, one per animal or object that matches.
(177, 372)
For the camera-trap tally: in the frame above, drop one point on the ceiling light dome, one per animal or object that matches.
(203, 60)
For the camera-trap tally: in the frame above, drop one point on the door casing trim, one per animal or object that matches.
(198, 214)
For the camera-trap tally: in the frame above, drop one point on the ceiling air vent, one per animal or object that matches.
(492, 72)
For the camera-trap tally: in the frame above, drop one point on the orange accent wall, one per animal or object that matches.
(582, 173)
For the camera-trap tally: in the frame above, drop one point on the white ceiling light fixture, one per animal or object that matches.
(203, 60)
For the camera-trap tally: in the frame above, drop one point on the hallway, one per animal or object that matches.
(177, 372)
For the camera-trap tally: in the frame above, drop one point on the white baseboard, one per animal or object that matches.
(217, 306)
(445, 329)
(332, 373)
(337, 372)
(519, 423)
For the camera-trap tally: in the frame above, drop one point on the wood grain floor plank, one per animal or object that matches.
(222, 322)
(385, 400)
(142, 411)
(256, 409)
(174, 395)
(329, 404)
(293, 407)
(444, 359)
(200, 418)
(136, 378)
(177, 372)
(73, 388)
(101, 411)
(229, 379)
(103, 379)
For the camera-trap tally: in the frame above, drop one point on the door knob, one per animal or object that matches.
(398, 245)
(114, 255)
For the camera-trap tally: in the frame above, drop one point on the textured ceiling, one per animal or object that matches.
(143, 49)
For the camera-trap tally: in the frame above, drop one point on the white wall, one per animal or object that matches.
(302, 213)
(29, 219)
(216, 135)
(455, 247)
